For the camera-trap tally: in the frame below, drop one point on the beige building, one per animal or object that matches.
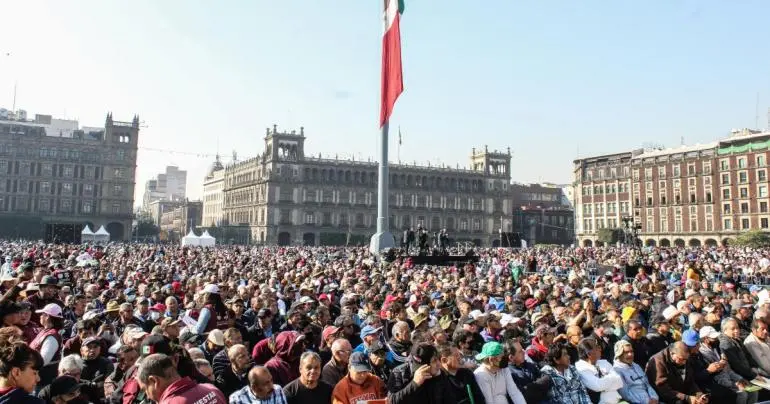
(213, 194)
(286, 196)
(55, 177)
(178, 221)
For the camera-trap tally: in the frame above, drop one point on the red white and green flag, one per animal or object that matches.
(392, 77)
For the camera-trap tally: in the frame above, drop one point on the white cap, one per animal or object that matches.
(708, 332)
(217, 337)
(475, 314)
(689, 293)
(508, 319)
(52, 309)
(211, 288)
(670, 312)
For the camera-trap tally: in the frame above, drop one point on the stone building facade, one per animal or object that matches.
(542, 214)
(51, 185)
(688, 195)
(286, 196)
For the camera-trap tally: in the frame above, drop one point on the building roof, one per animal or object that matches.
(675, 150)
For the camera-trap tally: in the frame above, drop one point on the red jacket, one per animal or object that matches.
(188, 391)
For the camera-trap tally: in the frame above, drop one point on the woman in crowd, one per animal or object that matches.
(19, 367)
(566, 387)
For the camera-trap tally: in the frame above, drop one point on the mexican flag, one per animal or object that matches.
(392, 77)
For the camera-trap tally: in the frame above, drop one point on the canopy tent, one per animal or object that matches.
(191, 239)
(86, 235)
(102, 235)
(206, 240)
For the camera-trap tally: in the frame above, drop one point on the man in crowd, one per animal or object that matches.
(308, 388)
(158, 377)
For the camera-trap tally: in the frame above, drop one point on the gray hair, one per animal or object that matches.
(726, 321)
(70, 363)
(400, 327)
(158, 365)
(196, 353)
(310, 355)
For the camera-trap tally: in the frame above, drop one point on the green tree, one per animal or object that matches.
(753, 238)
(146, 228)
(609, 236)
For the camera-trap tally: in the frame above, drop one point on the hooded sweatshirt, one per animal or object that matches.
(284, 366)
(188, 391)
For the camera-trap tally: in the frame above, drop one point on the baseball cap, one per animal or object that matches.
(359, 362)
(211, 288)
(369, 330)
(63, 385)
(217, 337)
(329, 330)
(91, 340)
(690, 338)
(490, 349)
(156, 344)
(159, 307)
(709, 332)
(51, 309)
(262, 313)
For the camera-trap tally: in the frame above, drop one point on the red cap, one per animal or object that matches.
(159, 307)
(328, 330)
(531, 302)
(323, 296)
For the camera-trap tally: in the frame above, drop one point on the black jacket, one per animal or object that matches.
(96, 372)
(607, 346)
(657, 342)
(739, 361)
(641, 350)
(460, 382)
(228, 382)
(402, 390)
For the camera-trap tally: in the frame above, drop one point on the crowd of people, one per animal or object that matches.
(131, 323)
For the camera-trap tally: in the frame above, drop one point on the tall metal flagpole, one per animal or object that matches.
(383, 238)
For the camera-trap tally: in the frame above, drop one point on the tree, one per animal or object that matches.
(146, 228)
(609, 236)
(753, 238)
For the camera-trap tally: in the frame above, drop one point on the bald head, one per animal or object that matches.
(680, 349)
(341, 345)
(236, 350)
(259, 374)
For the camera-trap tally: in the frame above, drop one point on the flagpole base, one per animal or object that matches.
(381, 241)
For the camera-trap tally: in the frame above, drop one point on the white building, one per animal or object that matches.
(213, 194)
(168, 186)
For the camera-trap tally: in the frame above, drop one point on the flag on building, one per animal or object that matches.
(392, 77)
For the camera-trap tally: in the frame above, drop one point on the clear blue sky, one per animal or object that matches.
(543, 77)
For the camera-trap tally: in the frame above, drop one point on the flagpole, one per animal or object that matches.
(398, 153)
(383, 239)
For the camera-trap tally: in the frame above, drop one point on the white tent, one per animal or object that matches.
(102, 235)
(86, 235)
(206, 240)
(191, 239)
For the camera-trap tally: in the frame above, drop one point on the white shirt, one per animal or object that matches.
(607, 384)
(495, 387)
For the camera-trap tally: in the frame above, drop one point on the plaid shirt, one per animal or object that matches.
(245, 396)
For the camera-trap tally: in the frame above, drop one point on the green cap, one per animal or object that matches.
(491, 348)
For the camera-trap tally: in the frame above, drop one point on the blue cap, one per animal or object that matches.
(129, 291)
(690, 338)
(359, 362)
(369, 330)
(755, 288)
(435, 296)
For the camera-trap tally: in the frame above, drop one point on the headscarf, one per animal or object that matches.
(619, 347)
